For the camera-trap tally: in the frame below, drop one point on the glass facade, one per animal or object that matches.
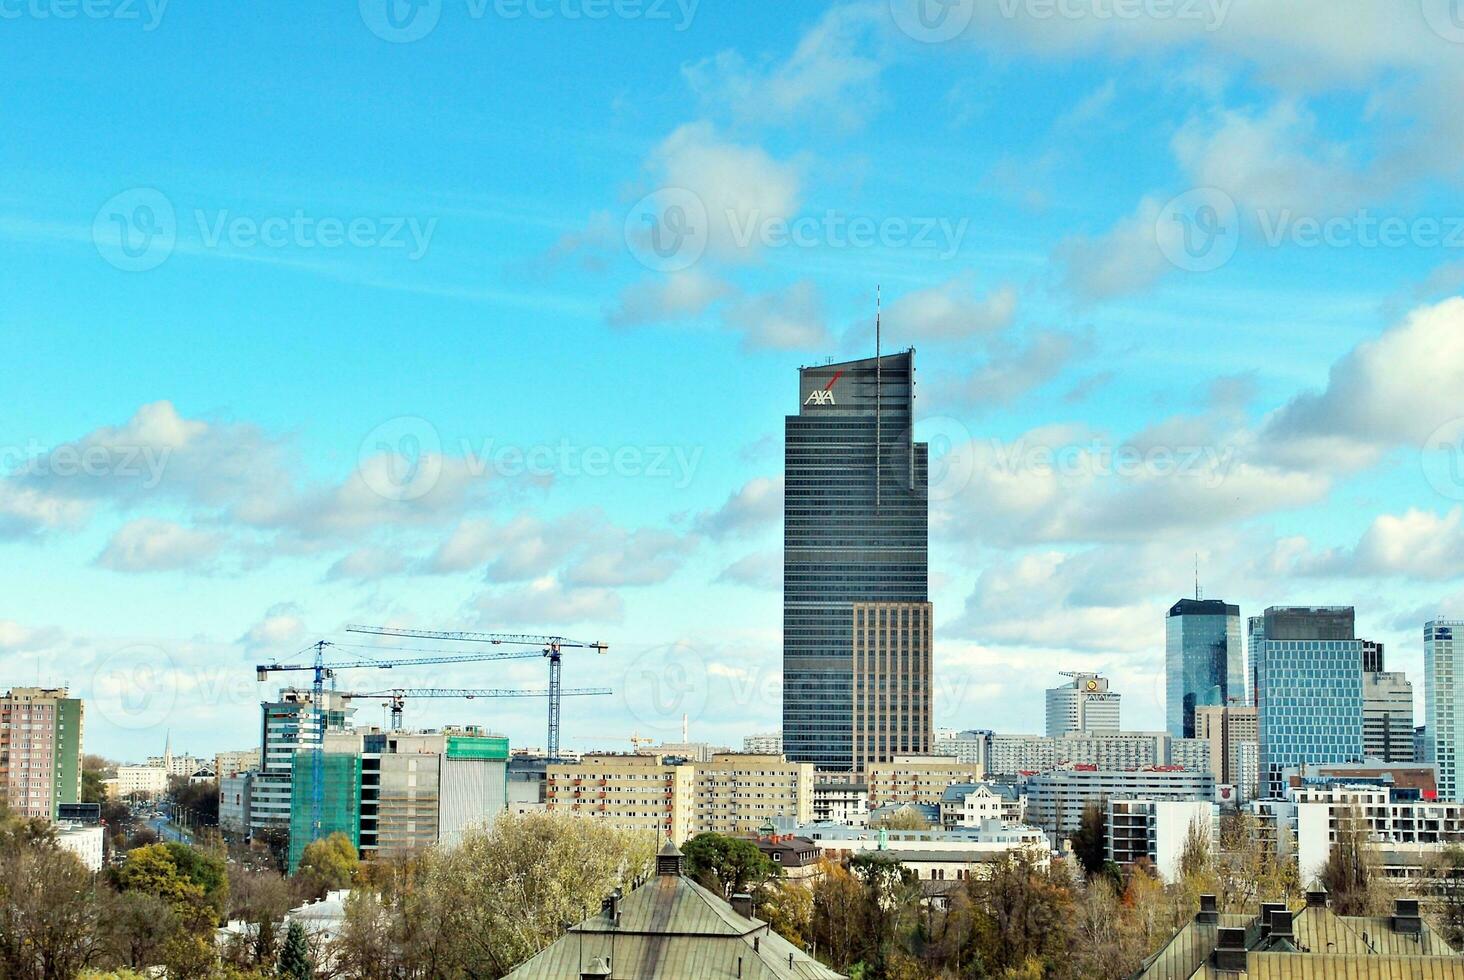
(1203, 661)
(854, 531)
(1308, 691)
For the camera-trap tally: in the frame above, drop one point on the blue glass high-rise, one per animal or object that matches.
(1203, 661)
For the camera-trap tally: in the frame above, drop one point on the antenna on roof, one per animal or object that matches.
(1198, 593)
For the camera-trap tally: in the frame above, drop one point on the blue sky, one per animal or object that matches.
(289, 298)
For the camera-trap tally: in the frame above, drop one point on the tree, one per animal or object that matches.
(194, 885)
(1351, 874)
(295, 955)
(260, 899)
(1090, 842)
(48, 908)
(838, 915)
(787, 907)
(727, 865)
(483, 907)
(328, 864)
(904, 818)
(1444, 879)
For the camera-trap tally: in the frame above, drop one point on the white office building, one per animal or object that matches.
(1013, 755)
(1387, 716)
(1056, 799)
(1157, 831)
(1443, 686)
(1084, 704)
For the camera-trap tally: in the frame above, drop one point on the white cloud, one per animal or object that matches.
(950, 311)
(366, 564)
(1124, 259)
(756, 505)
(1416, 544)
(281, 626)
(678, 296)
(152, 545)
(545, 603)
(788, 319)
(759, 570)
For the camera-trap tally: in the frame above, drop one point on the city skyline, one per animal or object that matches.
(299, 382)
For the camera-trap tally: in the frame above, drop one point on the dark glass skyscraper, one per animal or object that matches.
(856, 615)
(1203, 660)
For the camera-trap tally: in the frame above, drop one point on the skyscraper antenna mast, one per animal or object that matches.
(878, 374)
(1197, 577)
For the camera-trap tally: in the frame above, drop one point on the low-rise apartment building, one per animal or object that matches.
(917, 778)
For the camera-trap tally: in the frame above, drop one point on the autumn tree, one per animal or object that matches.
(327, 864)
(1352, 875)
(48, 907)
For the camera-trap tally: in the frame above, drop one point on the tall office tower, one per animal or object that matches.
(1203, 660)
(1084, 704)
(1387, 716)
(1308, 690)
(1443, 719)
(1372, 657)
(40, 750)
(286, 726)
(856, 610)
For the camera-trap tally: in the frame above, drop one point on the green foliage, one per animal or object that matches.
(295, 955)
(907, 818)
(328, 863)
(194, 885)
(727, 865)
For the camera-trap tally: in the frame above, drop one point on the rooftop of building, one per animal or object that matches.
(957, 792)
(1204, 607)
(671, 927)
(1310, 941)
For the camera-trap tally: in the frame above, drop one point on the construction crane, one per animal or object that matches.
(396, 697)
(323, 670)
(552, 649)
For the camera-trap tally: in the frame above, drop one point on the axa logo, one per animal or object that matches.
(824, 395)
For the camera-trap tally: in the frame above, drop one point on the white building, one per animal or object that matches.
(1084, 704)
(973, 843)
(973, 804)
(1405, 833)
(1157, 831)
(141, 781)
(845, 803)
(1056, 799)
(1013, 755)
(968, 746)
(1443, 674)
(763, 743)
(84, 842)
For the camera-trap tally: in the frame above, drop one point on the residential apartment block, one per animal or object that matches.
(917, 778)
(40, 750)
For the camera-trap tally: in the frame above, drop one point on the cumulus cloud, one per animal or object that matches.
(153, 545)
(756, 505)
(759, 570)
(546, 602)
(677, 296)
(281, 626)
(950, 311)
(785, 319)
(832, 74)
(1416, 544)
(366, 564)
(1013, 368)
(1124, 259)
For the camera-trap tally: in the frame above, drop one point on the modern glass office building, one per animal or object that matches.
(1308, 676)
(1203, 661)
(856, 611)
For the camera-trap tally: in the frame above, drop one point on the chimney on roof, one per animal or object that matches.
(1267, 909)
(610, 907)
(1406, 918)
(598, 969)
(1209, 912)
(1281, 925)
(1229, 956)
(742, 904)
(1316, 896)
